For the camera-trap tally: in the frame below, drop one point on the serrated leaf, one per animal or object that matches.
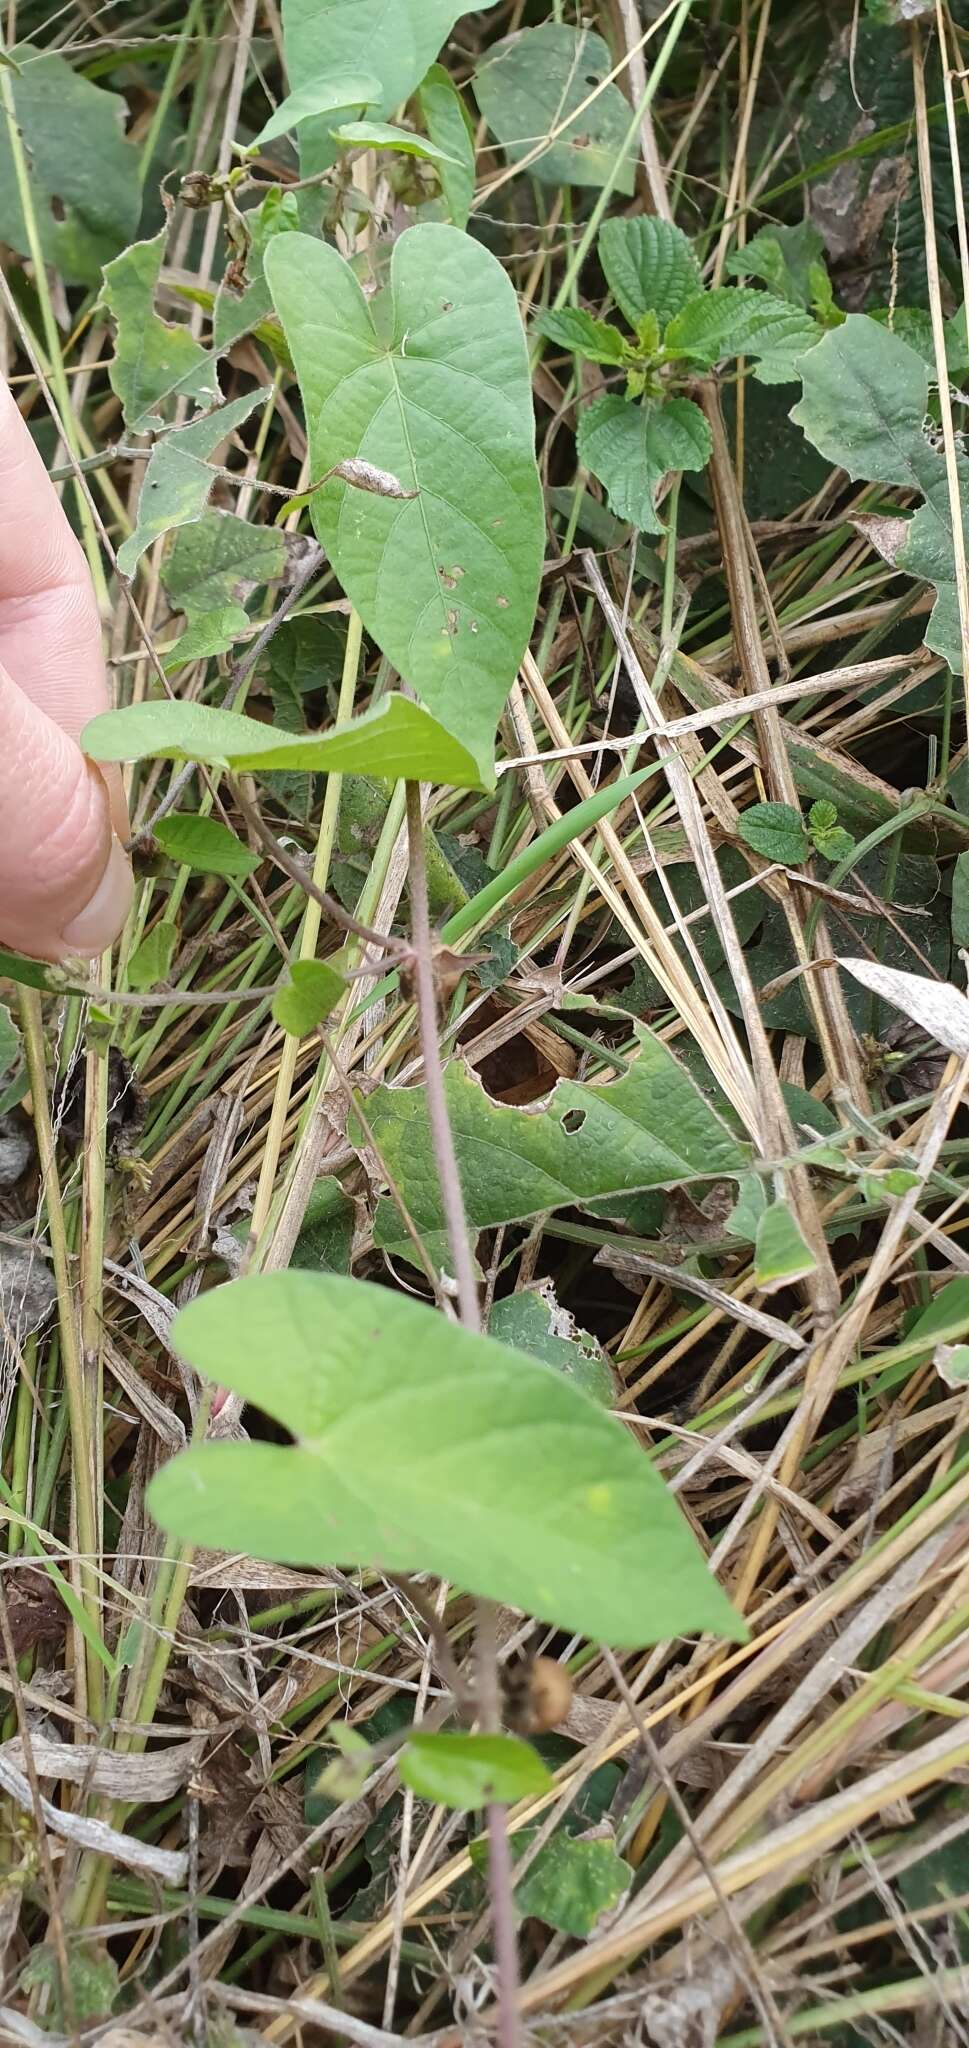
(651, 1128)
(835, 844)
(446, 120)
(573, 1881)
(178, 479)
(865, 405)
(632, 446)
(311, 992)
(780, 1252)
(83, 174)
(784, 257)
(153, 359)
(397, 739)
(576, 329)
(331, 95)
(735, 320)
(649, 265)
(395, 39)
(776, 832)
(447, 582)
(206, 846)
(422, 1447)
(533, 1321)
(382, 135)
(469, 1771)
(531, 83)
(822, 816)
(151, 962)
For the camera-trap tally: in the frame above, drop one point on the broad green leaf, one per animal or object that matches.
(312, 991)
(440, 396)
(528, 87)
(651, 1128)
(424, 1448)
(865, 406)
(780, 1252)
(632, 445)
(534, 1322)
(468, 1771)
(329, 39)
(397, 739)
(784, 259)
(215, 564)
(83, 174)
(575, 329)
(739, 320)
(320, 96)
(206, 846)
(151, 962)
(649, 265)
(153, 359)
(178, 479)
(446, 120)
(776, 832)
(381, 135)
(573, 1881)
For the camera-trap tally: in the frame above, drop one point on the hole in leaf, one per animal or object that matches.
(573, 1121)
(57, 207)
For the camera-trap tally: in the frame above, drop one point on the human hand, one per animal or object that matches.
(65, 880)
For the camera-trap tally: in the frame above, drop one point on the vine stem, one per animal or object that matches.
(452, 1200)
(73, 1367)
(307, 943)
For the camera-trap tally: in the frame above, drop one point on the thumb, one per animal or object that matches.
(65, 880)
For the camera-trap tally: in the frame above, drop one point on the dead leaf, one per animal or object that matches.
(940, 1009)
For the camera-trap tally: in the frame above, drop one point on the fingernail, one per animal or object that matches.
(98, 924)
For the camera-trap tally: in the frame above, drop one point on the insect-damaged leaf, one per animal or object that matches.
(423, 1447)
(651, 1128)
(153, 358)
(83, 173)
(430, 382)
(178, 478)
(530, 84)
(865, 406)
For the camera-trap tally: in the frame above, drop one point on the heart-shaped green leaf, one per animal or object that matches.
(422, 1447)
(428, 381)
(312, 991)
